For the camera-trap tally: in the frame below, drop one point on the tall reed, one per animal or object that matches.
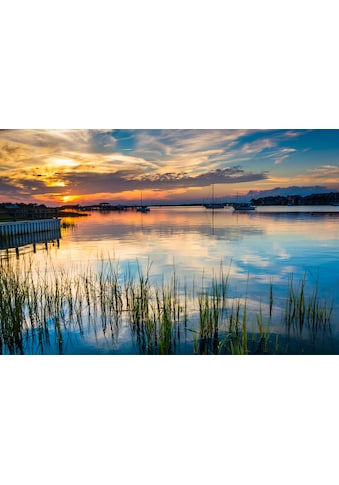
(40, 309)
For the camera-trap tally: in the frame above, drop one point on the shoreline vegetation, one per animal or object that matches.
(27, 212)
(42, 310)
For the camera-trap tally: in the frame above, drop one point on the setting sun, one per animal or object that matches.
(68, 198)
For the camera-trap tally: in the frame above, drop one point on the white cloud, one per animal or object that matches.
(325, 171)
(258, 146)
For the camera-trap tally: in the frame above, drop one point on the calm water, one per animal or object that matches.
(254, 248)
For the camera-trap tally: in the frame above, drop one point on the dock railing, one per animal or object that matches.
(28, 227)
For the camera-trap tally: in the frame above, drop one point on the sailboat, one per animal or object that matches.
(243, 206)
(214, 205)
(142, 208)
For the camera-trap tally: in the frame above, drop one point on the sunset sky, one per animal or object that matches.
(86, 166)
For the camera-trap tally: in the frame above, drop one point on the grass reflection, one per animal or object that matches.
(41, 311)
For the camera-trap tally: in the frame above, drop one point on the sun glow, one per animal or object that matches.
(62, 162)
(68, 198)
(55, 184)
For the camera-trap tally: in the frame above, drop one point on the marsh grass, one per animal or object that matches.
(41, 309)
(306, 310)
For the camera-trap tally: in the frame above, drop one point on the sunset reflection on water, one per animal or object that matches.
(254, 249)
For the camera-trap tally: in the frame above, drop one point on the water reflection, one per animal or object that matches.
(256, 249)
(192, 238)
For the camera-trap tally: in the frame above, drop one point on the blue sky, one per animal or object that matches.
(82, 166)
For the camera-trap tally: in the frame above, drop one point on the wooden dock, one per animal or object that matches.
(28, 227)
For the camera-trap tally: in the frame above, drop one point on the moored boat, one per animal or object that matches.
(143, 209)
(243, 206)
(214, 205)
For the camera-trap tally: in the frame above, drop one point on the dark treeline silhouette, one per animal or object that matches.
(21, 211)
(330, 198)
